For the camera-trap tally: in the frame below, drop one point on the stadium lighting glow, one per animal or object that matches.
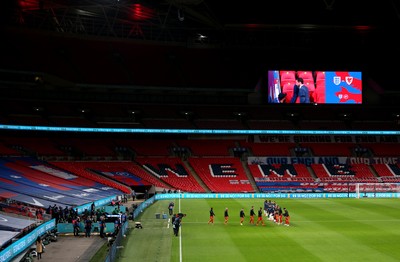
(198, 131)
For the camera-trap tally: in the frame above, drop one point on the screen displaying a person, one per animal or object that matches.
(300, 91)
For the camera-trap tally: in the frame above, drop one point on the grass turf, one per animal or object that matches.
(320, 230)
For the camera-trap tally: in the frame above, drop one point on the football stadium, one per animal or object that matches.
(198, 130)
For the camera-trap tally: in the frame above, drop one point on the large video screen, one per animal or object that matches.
(316, 87)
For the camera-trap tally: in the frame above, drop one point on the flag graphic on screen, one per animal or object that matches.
(274, 86)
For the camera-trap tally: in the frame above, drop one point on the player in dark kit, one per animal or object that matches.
(242, 215)
(260, 217)
(226, 216)
(252, 214)
(212, 214)
(287, 216)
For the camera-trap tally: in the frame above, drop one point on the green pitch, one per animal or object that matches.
(320, 230)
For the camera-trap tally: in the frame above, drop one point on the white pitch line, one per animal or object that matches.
(318, 221)
(180, 234)
(347, 220)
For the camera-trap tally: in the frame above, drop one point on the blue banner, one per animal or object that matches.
(22, 244)
(273, 195)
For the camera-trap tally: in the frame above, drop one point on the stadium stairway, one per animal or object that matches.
(373, 171)
(249, 175)
(195, 175)
(164, 183)
(312, 173)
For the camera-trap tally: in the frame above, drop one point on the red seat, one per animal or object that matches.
(306, 75)
(319, 75)
(288, 75)
(319, 94)
(288, 89)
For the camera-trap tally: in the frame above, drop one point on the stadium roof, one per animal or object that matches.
(180, 20)
(227, 44)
